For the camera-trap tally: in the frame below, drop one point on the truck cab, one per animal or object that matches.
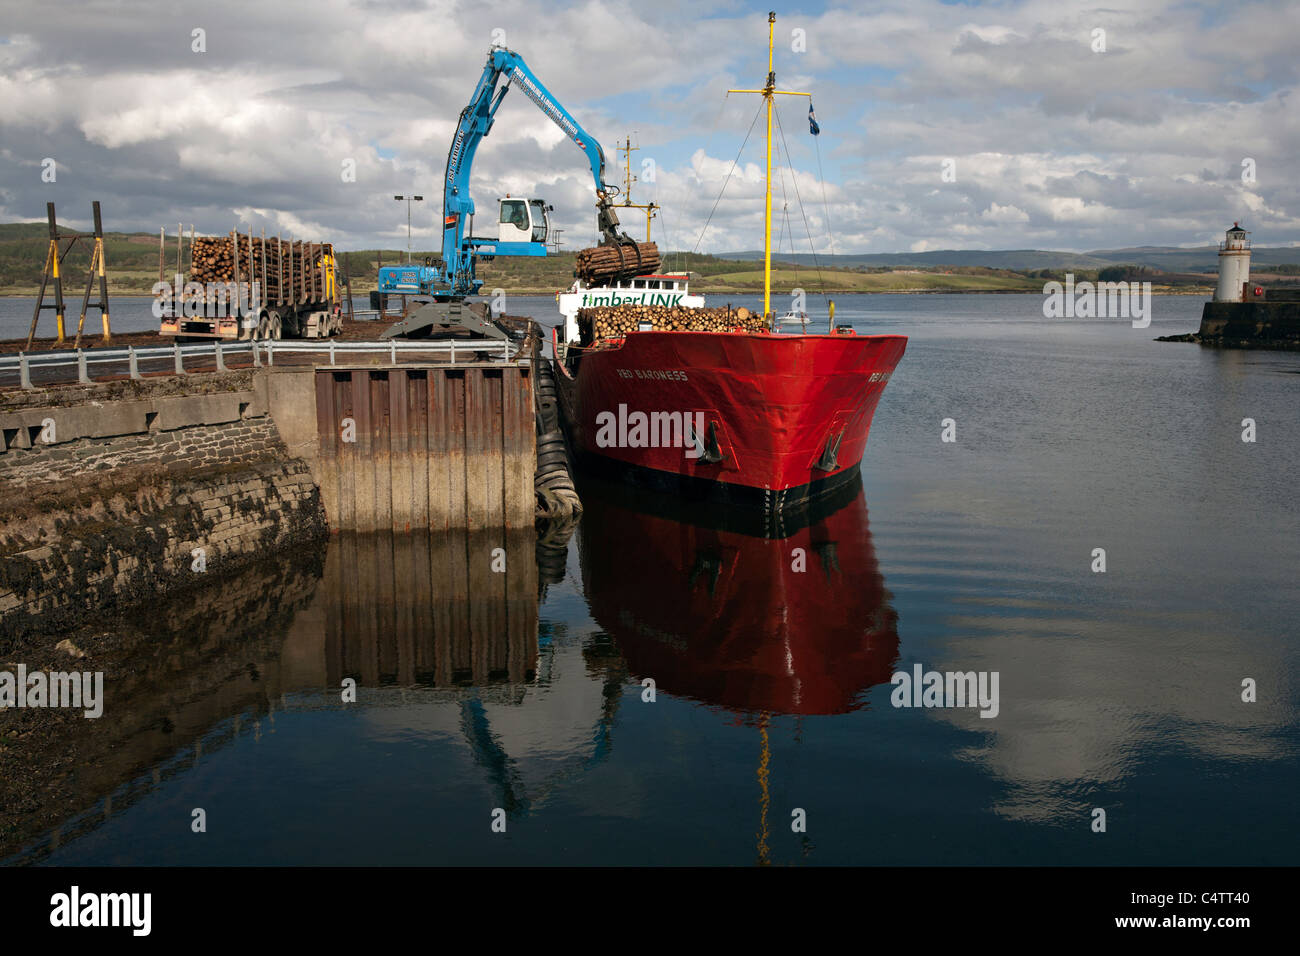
(523, 220)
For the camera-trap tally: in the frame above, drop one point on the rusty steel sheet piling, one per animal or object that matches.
(437, 447)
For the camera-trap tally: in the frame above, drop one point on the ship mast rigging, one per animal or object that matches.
(769, 92)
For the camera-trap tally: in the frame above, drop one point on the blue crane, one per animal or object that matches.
(523, 224)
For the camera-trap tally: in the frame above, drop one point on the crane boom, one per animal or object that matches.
(454, 278)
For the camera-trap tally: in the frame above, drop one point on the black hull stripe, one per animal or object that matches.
(755, 511)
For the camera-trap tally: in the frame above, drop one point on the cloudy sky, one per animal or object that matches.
(1053, 142)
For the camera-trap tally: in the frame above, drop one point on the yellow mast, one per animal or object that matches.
(768, 91)
(628, 180)
(764, 854)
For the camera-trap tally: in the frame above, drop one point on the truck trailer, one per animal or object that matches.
(246, 287)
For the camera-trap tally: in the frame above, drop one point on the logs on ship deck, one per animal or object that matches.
(607, 322)
(287, 271)
(609, 263)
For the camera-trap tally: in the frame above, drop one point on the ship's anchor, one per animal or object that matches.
(829, 556)
(710, 452)
(709, 565)
(830, 458)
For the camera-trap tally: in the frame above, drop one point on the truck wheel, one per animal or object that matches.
(275, 328)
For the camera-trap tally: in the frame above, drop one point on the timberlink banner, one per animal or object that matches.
(633, 298)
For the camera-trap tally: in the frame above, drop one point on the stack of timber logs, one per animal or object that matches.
(609, 263)
(607, 322)
(287, 272)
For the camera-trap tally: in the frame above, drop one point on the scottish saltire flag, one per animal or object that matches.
(812, 120)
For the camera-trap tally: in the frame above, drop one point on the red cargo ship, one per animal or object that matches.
(764, 418)
(775, 419)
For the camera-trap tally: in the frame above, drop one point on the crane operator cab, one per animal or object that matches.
(523, 220)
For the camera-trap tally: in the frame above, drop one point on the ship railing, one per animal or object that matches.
(1234, 244)
(213, 356)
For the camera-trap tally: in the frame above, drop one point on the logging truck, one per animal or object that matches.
(246, 287)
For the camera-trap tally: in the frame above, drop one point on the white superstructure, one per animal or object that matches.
(670, 289)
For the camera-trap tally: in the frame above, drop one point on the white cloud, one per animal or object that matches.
(1003, 214)
(1056, 146)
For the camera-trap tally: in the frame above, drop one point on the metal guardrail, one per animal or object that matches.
(24, 363)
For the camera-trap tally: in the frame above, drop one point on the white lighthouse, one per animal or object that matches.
(1234, 265)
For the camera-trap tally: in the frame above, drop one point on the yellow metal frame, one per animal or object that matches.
(96, 271)
(53, 261)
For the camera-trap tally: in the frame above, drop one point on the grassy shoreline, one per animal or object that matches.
(702, 286)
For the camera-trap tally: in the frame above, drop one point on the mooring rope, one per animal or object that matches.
(785, 226)
(734, 163)
(821, 178)
(799, 199)
(713, 131)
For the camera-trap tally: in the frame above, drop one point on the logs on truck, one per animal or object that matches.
(609, 263)
(286, 271)
(249, 287)
(612, 322)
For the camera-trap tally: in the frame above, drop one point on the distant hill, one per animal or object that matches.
(1016, 259)
(1198, 259)
(1164, 258)
(133, 266)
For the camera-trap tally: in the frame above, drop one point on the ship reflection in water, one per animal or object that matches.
(729, 612)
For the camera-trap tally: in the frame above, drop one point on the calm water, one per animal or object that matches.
(128, 313)
(1119, 690)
